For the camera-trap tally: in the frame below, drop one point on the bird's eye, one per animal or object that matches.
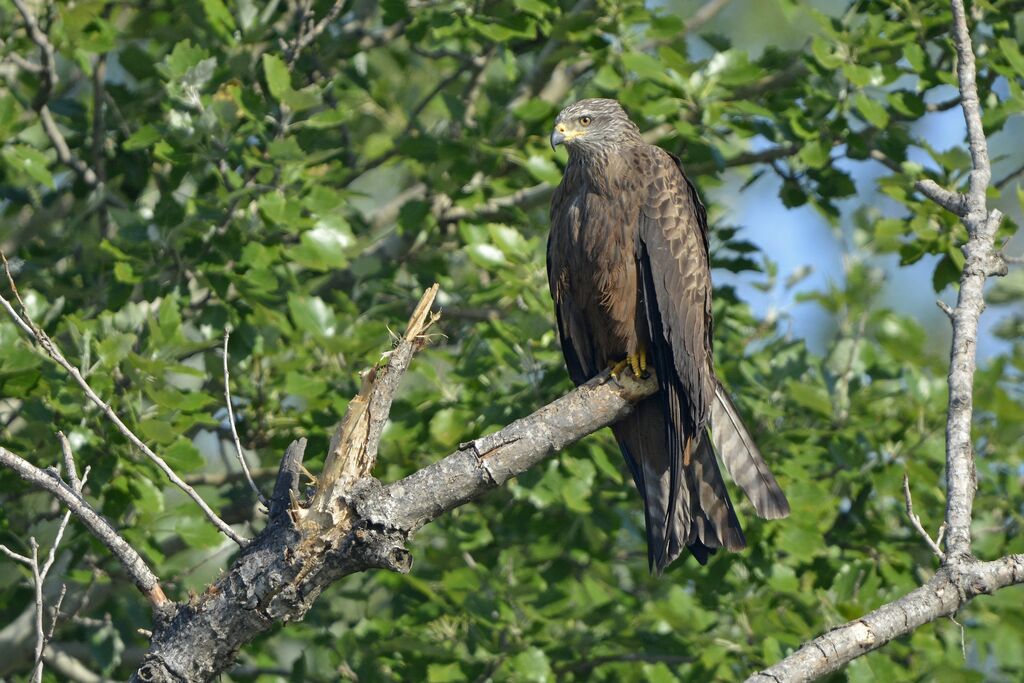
(585, 120)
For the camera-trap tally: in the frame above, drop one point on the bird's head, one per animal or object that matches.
(593, 123)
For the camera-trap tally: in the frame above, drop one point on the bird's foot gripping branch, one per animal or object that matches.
(352, 522)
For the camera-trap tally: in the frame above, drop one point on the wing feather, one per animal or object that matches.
(743, 459)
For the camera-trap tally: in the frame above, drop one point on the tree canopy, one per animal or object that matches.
(299, 172)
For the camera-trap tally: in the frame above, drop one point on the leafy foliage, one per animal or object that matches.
(302, 194)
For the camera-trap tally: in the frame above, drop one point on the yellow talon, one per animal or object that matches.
(636, 362)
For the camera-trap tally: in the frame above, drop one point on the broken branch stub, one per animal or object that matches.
(353, 450)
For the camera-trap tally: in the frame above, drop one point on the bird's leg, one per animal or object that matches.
(637, 362)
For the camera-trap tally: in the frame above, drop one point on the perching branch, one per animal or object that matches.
(353, 523)
(43, 340)
(961, 577)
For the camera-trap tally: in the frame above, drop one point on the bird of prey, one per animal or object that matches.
(629, 273)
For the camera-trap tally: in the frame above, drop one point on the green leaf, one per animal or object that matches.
(30, 161)
(182, 456)
(644, 65)
(445, 673)
(194, 529)
(531, 665)
(873, 111)
(123, 273)
(1011, 51)
(143, 138)
(311, 314)
(823, 53)
(183, 60)
(157, 430)
(486, 255)
(324, 247)
(220, 18)
(278, 79)
(812, 397)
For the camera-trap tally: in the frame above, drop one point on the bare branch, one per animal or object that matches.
(960, 577)
(351, 526)
(40, 572)
(949, 589)
(234, 429)
(916, 521)
(353, 450)
(954, 202)
(306, 37)
(37, 580)
(706, 13)
(981, 261)
(53, 351)
(945, 308)
(69, 463)
(48, 64)
(129, 558)
(17, 557)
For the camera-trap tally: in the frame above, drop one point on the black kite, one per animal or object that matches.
(629, 273)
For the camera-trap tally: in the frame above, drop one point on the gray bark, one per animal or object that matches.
(353, 522)
(960, 577)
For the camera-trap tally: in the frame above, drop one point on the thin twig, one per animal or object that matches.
(129, 558)
(963, 644)
(234, 430)
(945, 308)
(17, 557)
(53, 351)
(954, 202)
(37, 580)
(305, 38)
(47, 58)
(706, 13)
(40, 572)
(69, 463)
(916, 521)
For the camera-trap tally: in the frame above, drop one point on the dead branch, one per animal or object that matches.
(352, 522)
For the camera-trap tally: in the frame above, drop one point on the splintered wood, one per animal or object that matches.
(353, 450)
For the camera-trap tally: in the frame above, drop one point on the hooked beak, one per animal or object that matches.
(562, 134)
(557, 138)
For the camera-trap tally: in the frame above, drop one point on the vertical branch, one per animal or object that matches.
(353, 449)
(960, 577)
(982, 260)
(40, 571)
